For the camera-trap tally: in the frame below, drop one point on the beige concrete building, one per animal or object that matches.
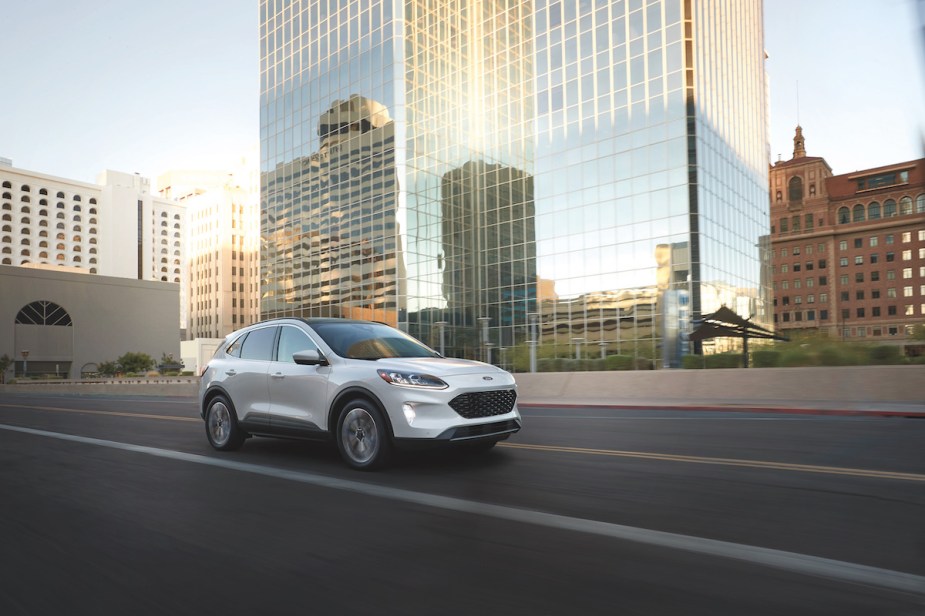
(223, 247)
(55, 322)
(113, 228)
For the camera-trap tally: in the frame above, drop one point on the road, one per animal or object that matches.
(119, 506)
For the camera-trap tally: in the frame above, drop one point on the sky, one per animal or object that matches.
(146, 87)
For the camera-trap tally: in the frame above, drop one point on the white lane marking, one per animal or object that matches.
(778, 559)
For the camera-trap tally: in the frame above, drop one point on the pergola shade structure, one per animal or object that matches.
(724, 323)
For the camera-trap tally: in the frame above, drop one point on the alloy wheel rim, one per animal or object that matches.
(219, 423)
(360, 436)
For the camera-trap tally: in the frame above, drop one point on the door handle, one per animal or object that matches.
(278, 375)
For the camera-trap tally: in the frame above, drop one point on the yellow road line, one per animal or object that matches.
(109, 413)
(784, 466)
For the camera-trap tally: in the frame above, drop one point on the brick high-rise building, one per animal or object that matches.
(847, 251)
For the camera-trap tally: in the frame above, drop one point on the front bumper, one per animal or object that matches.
(496, 431)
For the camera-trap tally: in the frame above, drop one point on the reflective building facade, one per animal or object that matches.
(588, 176)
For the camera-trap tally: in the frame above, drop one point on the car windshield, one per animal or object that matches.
(370, 341)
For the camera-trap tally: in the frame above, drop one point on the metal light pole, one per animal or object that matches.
(533, 318)
(25, 362)
(441, 325)
(483, 322)
(578, 342)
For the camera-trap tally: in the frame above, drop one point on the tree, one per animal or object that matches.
(108, 368)
(5, 363)
(918, 332)
(135, 362)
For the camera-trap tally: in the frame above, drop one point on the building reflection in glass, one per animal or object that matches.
(330, 224)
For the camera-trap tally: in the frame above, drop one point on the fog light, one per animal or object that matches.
(408, 409)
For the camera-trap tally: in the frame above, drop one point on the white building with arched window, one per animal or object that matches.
(113, 228)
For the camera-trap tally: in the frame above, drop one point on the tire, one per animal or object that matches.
(363, 437)
(222, 425)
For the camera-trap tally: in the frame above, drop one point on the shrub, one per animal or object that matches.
(724, 360)
(793, 358)
(765, 359)
(884, 355)
(618, 362)
(838, 356)
(692, 362)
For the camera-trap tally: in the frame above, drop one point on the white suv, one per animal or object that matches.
(369, 386)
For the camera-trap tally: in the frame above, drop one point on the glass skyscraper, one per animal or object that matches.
(586, 175)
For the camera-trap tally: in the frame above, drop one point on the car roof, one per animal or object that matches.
(315, 320)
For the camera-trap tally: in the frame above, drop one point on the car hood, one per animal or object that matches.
(438, 366)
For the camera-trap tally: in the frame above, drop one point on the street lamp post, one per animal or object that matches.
(441, 326)
(483, 323)
(25, 362)
(533, 318)
(578, 342)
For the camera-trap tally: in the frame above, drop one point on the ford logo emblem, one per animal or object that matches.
(487, 378)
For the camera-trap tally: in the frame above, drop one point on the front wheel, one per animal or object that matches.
(222, 425)
(363, 435)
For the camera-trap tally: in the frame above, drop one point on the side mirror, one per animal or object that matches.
(309, 358)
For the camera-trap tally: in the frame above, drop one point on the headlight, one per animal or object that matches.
(411, 379)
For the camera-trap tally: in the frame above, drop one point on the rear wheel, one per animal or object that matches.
(363, 435)
(222, 425)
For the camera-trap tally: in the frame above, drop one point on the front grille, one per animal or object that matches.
(477, 404)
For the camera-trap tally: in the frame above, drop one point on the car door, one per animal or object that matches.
(246, 378)
(298, 393)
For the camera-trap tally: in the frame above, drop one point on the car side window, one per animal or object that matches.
(234, 349)
(292, 340)
(259, 344)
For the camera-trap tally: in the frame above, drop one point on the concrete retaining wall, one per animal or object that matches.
(899, 384)
(842, 384)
